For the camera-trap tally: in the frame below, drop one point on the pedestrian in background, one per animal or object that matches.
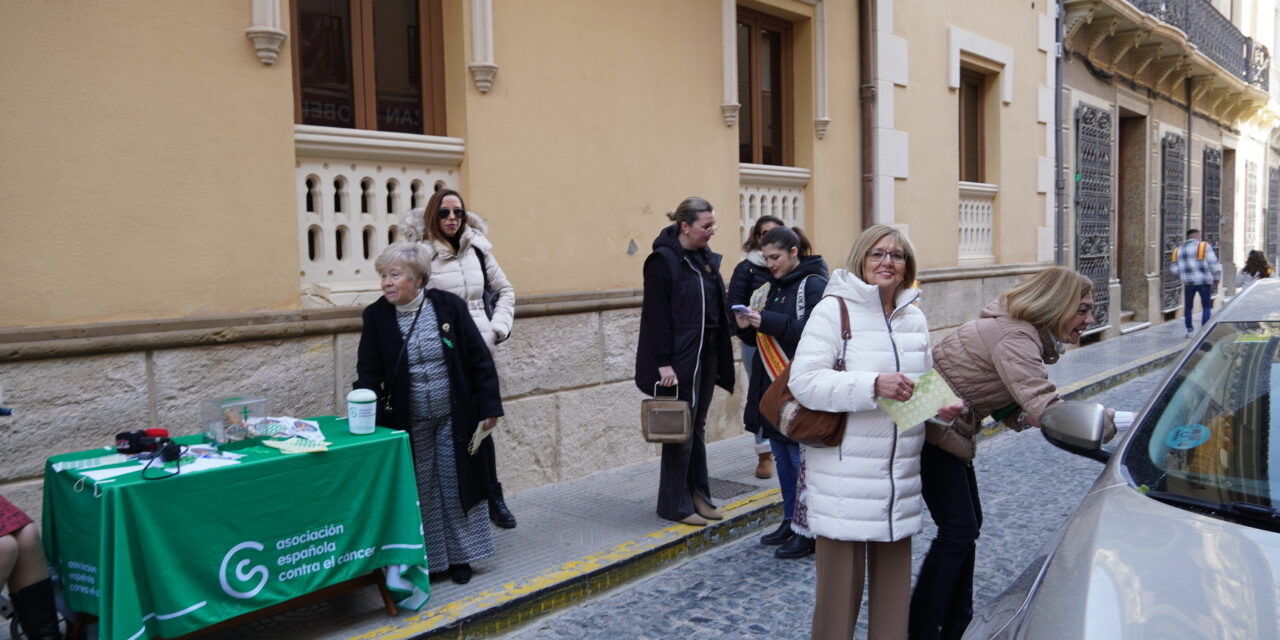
(748, 276)
(425, 358)
(863, 497)
(24, 570)
(1255, 269)
(773, 323)
(462, 263)
(1200, 272)
(684, 342)
(996, 364)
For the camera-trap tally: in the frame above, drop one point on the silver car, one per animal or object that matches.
(1180, 535)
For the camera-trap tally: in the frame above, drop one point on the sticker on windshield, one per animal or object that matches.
(1253, 337)
(1188, 436)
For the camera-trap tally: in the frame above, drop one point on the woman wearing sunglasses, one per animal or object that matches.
(462, 261)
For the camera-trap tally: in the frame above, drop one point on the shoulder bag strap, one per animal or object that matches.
(484, 265)
(845, 332)
(404, 348)
(800, 305)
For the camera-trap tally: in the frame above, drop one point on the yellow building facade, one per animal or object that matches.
(199, 189)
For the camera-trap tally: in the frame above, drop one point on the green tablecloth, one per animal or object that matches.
(168, 557)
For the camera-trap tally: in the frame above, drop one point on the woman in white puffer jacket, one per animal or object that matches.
(455, 239)
(863, 498)
(455, 266)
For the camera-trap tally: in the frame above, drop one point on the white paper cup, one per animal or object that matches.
(362, 411)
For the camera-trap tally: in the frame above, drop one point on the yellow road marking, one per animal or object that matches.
(453, 611)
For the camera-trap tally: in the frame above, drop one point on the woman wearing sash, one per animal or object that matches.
(773, 324)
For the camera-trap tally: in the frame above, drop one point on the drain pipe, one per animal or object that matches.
(1060, 188)
(1186, 224)
(867, 104)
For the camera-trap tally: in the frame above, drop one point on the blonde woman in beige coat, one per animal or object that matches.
(996, 364)
(455, 239)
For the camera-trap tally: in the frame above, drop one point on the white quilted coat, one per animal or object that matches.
(868, 489)
(460, 274)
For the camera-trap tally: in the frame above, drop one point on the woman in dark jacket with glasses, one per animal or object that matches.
(684, 343)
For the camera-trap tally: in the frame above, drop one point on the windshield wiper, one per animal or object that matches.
(1260, 516)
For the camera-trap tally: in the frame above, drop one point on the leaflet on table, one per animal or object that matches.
(297, 444)
(200, 464)
(287, 427)
(931, 393)
(90, 463)
(98, 475)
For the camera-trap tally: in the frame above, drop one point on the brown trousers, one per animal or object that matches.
(842, 565)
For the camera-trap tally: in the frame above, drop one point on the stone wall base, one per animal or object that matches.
(566, 372)
(571, 406)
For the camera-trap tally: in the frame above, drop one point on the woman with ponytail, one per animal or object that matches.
(684, 343)
(772, 323)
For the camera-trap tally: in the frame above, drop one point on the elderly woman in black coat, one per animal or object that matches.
(423, 355)
(684, 343)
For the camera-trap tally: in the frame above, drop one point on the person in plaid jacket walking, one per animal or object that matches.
(1197, 266)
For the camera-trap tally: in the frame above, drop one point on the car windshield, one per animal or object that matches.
(1207, 439)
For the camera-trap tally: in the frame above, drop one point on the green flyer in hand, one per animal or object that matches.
(931, 393)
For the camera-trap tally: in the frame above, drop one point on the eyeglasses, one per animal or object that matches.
(445, 213)
(711, 229)
(876, 255)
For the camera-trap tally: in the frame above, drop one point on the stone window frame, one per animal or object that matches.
(730, 106)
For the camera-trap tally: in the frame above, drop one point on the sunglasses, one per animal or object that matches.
(445, 213)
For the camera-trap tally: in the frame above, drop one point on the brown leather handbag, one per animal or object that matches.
(665, 420)
(791, 419)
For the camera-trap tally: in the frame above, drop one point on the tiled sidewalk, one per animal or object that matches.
(581, 537)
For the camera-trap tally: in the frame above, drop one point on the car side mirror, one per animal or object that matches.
(1076, 426)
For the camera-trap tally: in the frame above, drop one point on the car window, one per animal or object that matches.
(1208, 434)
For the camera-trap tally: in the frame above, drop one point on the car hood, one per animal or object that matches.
(1129, 566)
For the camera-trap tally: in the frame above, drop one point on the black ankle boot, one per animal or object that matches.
(779, 535)
(37, 614)
(797, 547)
(500, 515)
(460, 573)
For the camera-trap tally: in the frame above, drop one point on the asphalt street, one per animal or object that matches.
(739, 590)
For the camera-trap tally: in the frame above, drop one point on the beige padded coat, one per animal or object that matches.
(459, 273)
(992, 362)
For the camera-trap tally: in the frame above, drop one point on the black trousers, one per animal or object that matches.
(942, 604)
(684, 465)
(488, 461)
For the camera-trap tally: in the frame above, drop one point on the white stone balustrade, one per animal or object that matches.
(770, 190)
(977, 220)
(353, 187)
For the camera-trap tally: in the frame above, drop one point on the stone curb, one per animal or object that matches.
(517, 603)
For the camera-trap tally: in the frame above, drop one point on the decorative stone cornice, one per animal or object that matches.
(773, 175)
(265, 33)
(385, 146)
(482, 66)
(1159, 46)
(38, 343)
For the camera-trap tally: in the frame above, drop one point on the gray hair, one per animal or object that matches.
(412, 255)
